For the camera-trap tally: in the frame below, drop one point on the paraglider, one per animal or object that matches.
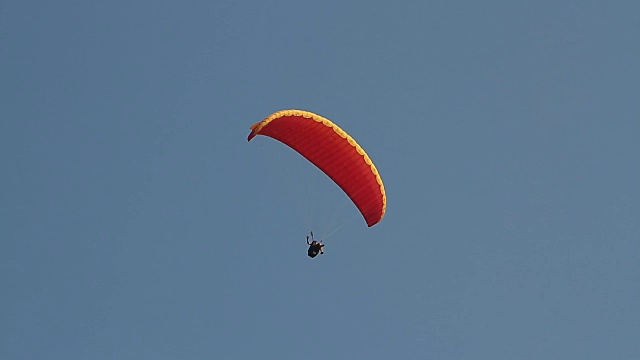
(334, 152)
(314, 247)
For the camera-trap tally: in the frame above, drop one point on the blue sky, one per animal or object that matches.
(138, 223)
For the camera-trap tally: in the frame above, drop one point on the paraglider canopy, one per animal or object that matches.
(334, 152)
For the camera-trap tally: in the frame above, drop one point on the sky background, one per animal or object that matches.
(136, 222)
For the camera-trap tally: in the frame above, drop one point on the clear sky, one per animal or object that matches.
(136, 222)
